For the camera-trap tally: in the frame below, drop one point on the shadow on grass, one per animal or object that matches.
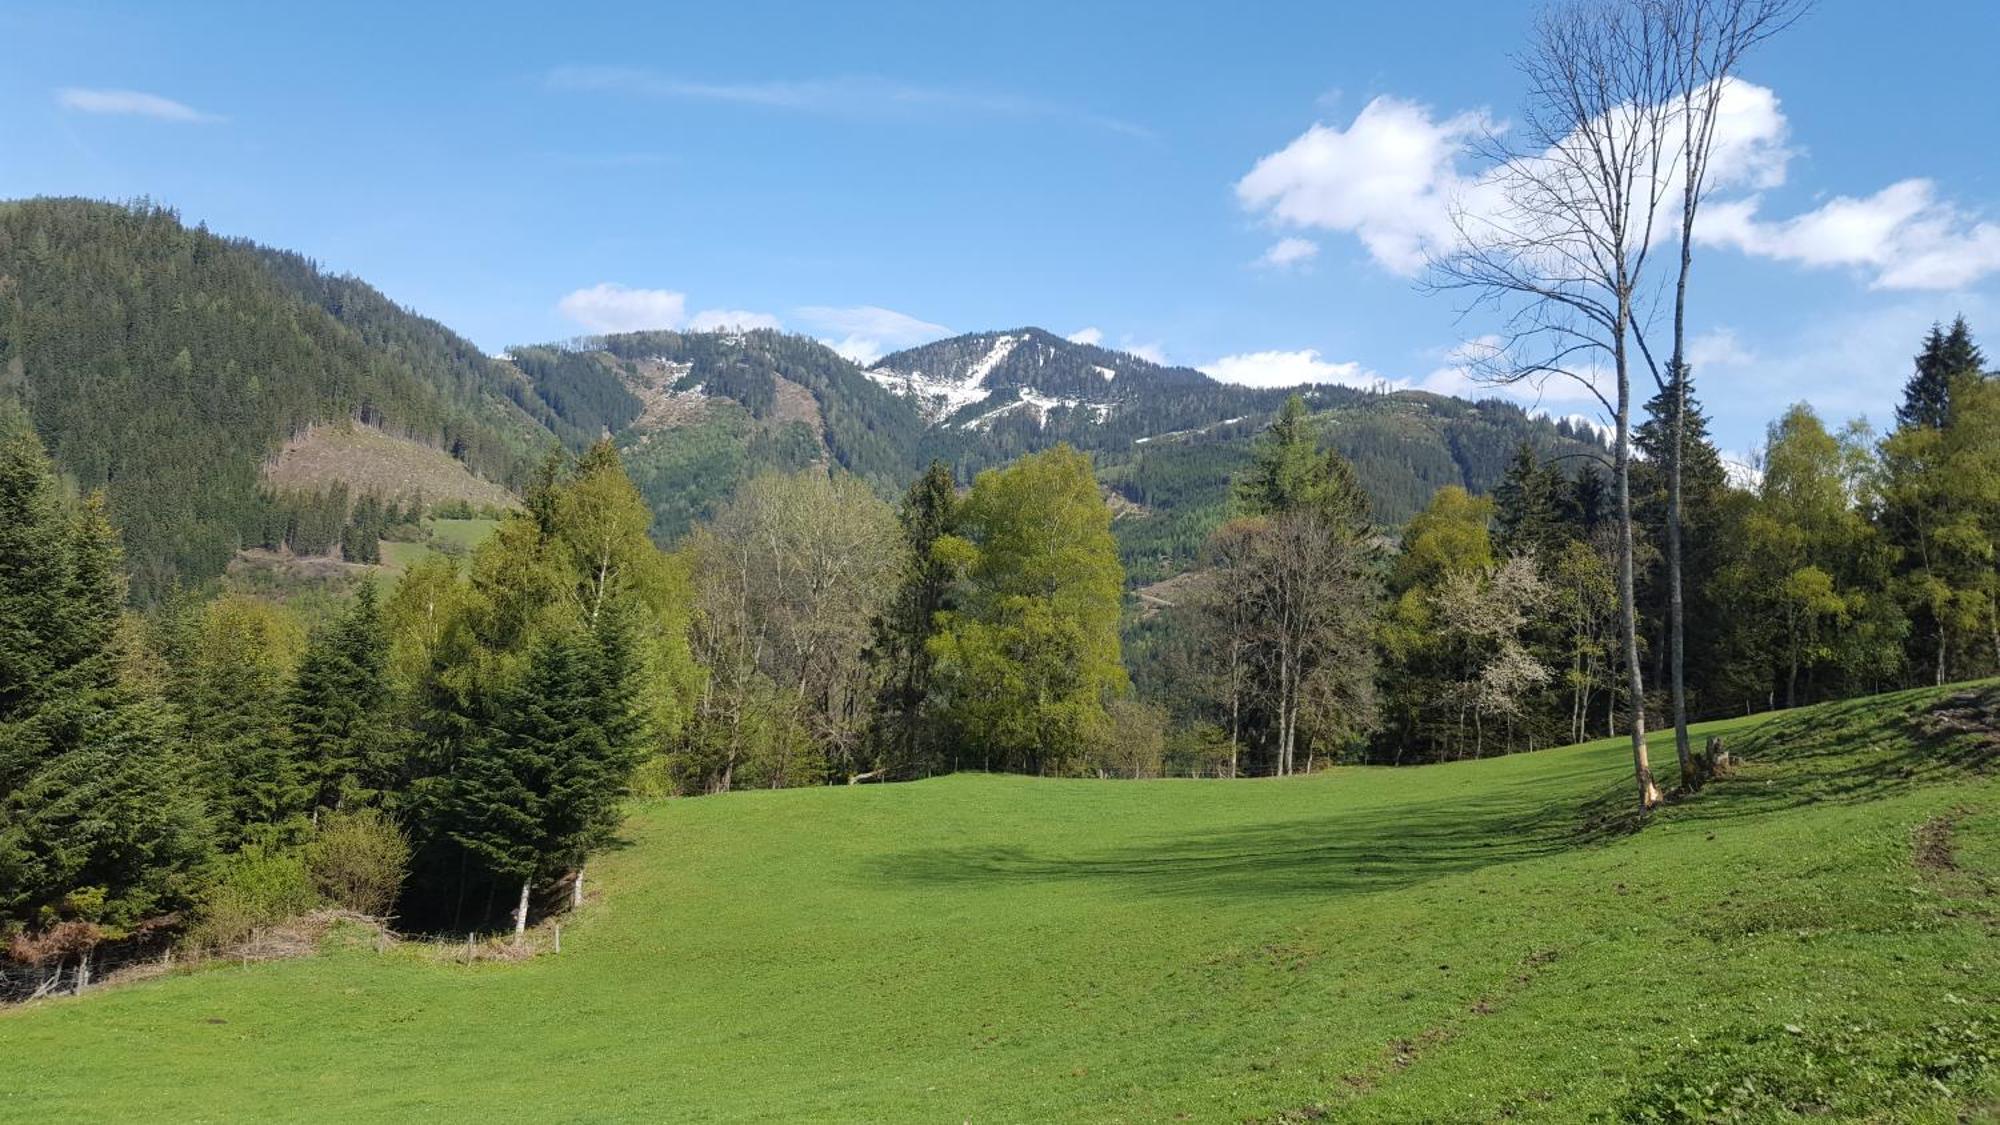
(1844, 752)
(1366, 849)
(1850, 751)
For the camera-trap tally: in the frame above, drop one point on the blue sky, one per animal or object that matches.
(1236, 187)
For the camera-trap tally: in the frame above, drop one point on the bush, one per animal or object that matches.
(357, 860)
(254, 888)
(1135, 745)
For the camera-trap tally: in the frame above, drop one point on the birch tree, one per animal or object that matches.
(1557, 238)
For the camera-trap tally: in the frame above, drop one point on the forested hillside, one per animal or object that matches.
(1167, 439)
(167, 364)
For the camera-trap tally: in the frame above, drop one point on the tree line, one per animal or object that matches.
(465, 738)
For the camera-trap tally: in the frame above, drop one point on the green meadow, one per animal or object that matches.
(1813, 935)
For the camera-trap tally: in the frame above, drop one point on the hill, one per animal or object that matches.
(699, 412)
(1475, 941)
(170, 364)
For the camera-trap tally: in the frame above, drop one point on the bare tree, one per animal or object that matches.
(1708, 39)
(1295, 597)
(1556, 239)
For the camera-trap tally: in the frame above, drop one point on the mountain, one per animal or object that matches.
(169, 365)
(225, 393)
(696, 413)
(971, 381)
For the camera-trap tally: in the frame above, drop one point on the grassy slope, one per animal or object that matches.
(1391, 945)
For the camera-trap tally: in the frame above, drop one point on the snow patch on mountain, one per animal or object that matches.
(942, 396)
(1041, 404)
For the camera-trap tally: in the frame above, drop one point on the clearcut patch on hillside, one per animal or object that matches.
(368, 460)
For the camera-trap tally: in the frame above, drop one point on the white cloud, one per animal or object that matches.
(131, 103)
(865, 333)
(1089, 336)
(1465, 367)
(1291, 369)
(1392, 177)
(852, 96)
(1904, 235)
(731, 320)
(1715, 348)
(1287, 253)
(1151, 353)
(1386, 178)
(609, 307)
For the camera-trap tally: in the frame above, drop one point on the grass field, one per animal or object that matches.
(1469, 942)
(458, 535)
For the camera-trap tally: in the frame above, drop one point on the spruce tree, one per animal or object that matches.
(901, 643)
(1946, 356)
(1528, 506)
(341, 737)
(97, 820)
(540, 789)
(1285, 465)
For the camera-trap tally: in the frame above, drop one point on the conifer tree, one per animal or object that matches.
(97, 820)
(902, 633)
(1946, 356)
(341, 737)
(539, 791)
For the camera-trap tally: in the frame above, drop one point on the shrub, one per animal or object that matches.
(254, 888)
(1135, 744)
(357, 860)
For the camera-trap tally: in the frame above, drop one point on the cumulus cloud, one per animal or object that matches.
(1291, 369)
(1151, 352)
(609, 307)
(1090, 336)
(1289, 253)
(1392, 177)
(1904, 235)
(865, 333)
(1394, 174)
(1387, 179)
(131, 103)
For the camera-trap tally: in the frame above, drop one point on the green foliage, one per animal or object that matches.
(338, 711)
(97, 820)
(357, 860)
(166, 365)
(1031, 655)
(249, 890)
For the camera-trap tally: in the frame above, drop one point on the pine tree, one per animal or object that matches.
(540, 789)
(902, 633)
(97, 820)
(1945, 356)
(337, 710)
(1285, 465)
